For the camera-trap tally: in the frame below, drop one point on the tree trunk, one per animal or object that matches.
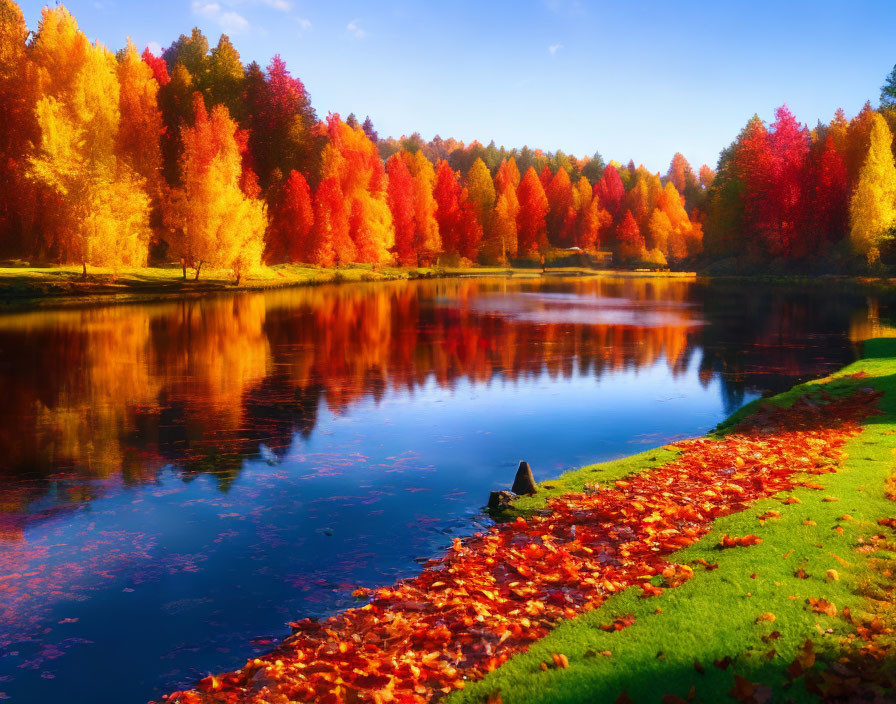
(198, 267)
(238, 276)
(183, 264)
(83, 270)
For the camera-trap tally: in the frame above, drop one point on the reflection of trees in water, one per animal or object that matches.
(768, 338)
(119, 392)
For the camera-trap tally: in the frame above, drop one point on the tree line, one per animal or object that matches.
(119, 159)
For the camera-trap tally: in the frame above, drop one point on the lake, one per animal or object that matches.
(180, 479)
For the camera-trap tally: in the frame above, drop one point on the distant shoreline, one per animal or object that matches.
(52, 287)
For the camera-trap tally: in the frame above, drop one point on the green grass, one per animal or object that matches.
(713, 615)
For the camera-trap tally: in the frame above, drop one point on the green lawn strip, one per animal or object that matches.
(714, 615)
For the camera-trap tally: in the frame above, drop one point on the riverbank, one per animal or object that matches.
(781, 575)
(65, 285)
(803, 609)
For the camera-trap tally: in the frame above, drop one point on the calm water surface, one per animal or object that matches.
(178, 480)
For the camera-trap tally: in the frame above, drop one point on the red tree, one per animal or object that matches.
(562, 215)
(789, 143)
(291, 222)
(469, 229)
(531, 217)
(402, 203)
(456, 214)
(631, 241)
(447, 196)
(330, 242)
(826, 203)
(281, 120)
(610, 191)
(158, 66)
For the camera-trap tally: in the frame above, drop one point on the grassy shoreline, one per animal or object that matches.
(41, 287)
(749, 614)
(59, 286)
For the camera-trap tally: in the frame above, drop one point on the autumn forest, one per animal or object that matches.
(120, 159)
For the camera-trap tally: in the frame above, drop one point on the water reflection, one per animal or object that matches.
(254, 455)
(124, 390)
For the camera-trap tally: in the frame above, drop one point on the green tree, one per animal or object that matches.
(888, 92)
(224, 79)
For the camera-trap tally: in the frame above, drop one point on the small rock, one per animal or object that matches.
(524, 482)
(500, 499)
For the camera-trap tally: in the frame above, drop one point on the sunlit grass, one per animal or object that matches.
(678, 636)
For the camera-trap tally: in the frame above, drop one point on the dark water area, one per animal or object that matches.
(179, 480)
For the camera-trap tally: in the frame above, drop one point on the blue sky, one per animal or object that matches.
(632, 80)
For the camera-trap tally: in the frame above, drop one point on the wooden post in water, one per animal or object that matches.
(524, 482)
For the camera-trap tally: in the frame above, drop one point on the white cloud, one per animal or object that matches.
(282, 5)
(354, 28)
(554, 48)
(304, 23)
(155, 48)
(228, 20)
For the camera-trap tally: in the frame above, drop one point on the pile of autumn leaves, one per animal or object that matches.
(499, 591)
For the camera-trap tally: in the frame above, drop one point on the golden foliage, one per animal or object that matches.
(873, 208)
(107, 212)
(215, 222)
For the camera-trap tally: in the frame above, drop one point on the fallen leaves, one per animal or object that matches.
(494, 594)
(648, 590)
(728, 542)
(676, 575)
(749, 692)
(767, 616)
(618, 623)
(804, 660)
(823, 606)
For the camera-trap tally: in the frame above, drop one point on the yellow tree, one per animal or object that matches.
(141, 123)
(481, 191)
(427, 240)
(214, 221)
(501, 242)
(105, 209)
(670, 230)
(873, 209)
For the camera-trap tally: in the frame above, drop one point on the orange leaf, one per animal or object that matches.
(560, 660)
